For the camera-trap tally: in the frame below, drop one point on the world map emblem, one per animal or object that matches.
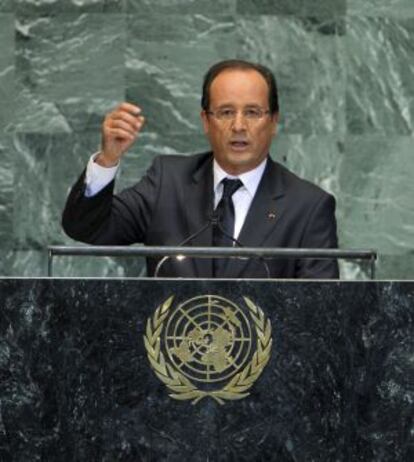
(208, 346)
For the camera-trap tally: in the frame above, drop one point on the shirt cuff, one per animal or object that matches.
(97, 177)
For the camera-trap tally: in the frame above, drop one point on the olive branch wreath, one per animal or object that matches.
(183, 388)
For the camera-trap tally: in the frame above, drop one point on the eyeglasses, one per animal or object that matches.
(227, 114)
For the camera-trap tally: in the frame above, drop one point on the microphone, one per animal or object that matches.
(213, 221)
(185, 241)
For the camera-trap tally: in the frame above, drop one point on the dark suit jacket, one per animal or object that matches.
(175, 199)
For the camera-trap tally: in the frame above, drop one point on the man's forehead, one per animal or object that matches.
(248, 86)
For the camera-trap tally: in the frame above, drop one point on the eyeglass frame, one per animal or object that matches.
(233, 117)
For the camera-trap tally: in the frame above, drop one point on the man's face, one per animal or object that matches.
(240, 144)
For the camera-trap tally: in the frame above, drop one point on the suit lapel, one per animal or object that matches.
(263, 215)
(198, 200)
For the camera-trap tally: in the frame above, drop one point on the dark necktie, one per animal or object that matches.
(225, 214)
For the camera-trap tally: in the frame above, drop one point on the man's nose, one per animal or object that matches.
(239, 122)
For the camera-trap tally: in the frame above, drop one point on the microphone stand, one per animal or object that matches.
(185, 241)
(213, 221)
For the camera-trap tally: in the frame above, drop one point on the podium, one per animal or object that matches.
(88, 367)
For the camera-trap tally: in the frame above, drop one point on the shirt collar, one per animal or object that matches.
(250, 179)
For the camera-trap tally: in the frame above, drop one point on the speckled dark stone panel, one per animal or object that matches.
(76, 385)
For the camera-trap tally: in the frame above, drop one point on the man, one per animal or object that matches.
(265, 204)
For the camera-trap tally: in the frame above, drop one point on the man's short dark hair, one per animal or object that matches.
(238, 64)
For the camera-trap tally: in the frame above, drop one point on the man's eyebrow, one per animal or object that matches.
(248, 105)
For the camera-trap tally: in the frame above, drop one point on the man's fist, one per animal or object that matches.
(120, 129)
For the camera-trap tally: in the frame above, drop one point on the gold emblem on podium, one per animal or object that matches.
(208, 346)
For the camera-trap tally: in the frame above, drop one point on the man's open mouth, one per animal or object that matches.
(239, 144)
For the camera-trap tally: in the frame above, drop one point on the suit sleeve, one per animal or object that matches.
(108, 219)
(320, 232)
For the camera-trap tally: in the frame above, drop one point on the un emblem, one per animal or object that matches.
(208, 346)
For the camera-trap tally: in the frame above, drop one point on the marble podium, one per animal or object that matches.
(76, 383)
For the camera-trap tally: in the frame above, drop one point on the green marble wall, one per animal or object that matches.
(346, 75)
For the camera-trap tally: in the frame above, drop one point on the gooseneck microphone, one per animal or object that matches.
(213, 221)
(181, 244)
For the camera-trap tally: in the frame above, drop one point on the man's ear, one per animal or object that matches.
(205, 121)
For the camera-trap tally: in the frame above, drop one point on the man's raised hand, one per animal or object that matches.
(120, 129)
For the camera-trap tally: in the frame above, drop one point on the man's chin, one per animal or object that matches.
(237, 163)
(240, 157)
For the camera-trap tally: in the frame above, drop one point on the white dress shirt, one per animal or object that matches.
(97, 177)
(243, 197)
